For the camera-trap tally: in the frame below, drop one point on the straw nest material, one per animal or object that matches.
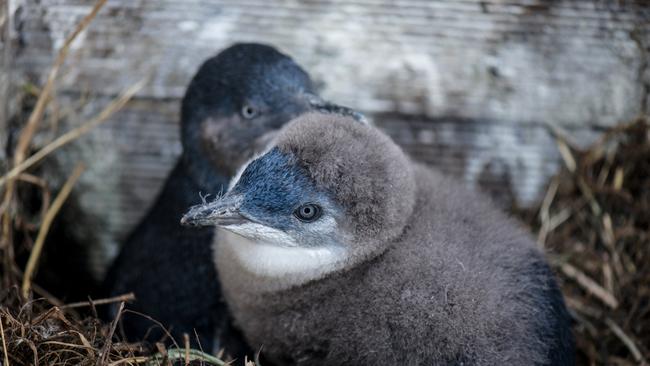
(38, 332)
(595, 224)
(35, 327)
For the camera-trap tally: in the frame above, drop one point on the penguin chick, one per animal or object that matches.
(232, 107)
(336, 249)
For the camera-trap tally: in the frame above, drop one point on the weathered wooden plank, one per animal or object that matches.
(4, 73)
(426, 36)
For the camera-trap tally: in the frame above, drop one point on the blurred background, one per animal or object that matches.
(472, 87)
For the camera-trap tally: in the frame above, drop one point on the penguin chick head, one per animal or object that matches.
(331, 188)
(236, 98)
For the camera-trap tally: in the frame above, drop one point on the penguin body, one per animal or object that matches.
(170, 271)
(336, 249)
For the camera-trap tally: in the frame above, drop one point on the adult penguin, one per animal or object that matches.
(230, 110)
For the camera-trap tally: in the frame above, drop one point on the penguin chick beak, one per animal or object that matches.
(316, 103)
(221, 212)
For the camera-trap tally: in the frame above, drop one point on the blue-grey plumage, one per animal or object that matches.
(233, 106)
(336, 249)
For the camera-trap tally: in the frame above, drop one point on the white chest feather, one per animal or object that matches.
(277, 256)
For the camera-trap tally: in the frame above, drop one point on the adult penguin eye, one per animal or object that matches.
(308, 213)
(248, 111)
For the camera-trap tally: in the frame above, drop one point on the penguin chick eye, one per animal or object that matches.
(308, 212)
(248, 111)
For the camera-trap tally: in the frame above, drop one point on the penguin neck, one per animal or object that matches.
(269, 267)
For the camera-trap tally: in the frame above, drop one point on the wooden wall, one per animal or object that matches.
(4, 71)
(464, 85)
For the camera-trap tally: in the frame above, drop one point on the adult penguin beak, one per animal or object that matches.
(318, 104)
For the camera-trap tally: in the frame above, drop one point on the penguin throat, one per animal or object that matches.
(289, 264)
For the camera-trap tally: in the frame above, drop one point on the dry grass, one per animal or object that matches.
(35, 327)
(38, 333)
(595, 224)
